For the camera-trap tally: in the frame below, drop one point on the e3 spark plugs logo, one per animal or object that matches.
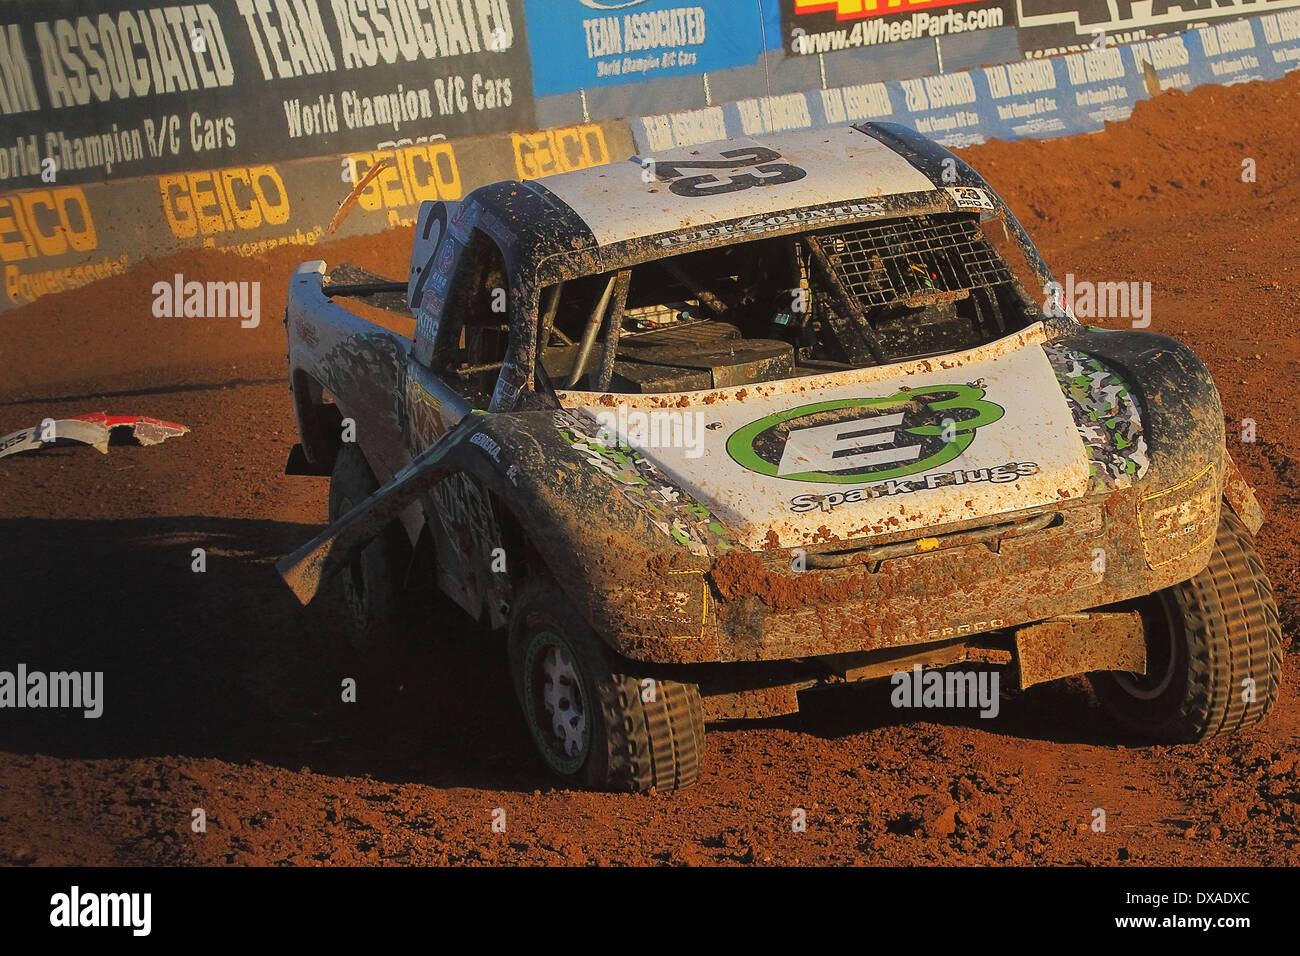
(865, 439)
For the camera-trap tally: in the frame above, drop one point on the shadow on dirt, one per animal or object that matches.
(226, 663)
(1060, 712)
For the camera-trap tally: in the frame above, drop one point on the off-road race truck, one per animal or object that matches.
(701, 430)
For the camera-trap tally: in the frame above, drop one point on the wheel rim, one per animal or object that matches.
(1159, 622)
(558, 709)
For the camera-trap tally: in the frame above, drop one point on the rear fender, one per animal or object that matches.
(363, 367)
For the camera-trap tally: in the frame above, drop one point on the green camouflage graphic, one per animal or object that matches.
(1106, 415)
(672, 510)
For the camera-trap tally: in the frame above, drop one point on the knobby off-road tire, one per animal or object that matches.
(1208, 639)
(592, 721)
(371, 583)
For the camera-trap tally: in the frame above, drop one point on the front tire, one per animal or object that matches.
(591, 721)
(1214, 651)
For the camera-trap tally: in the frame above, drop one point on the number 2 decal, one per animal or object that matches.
(762, 159)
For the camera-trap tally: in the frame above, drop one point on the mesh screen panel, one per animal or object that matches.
(885, 262)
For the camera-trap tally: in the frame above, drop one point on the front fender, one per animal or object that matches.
(628, 548)
(1178, 499)
(1181, 412)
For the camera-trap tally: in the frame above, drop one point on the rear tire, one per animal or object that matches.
(370, 584)
(592, 721)
(1214, 642)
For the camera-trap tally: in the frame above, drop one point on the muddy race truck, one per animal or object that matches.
(701, 430)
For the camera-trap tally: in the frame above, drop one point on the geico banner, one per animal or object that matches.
(551, 151)
(826, 26)
(61, 237)
(1049, 27)
(586, 43)
(92, 90)
(223, 200)
(49, 242)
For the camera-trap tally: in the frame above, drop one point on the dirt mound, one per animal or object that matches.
(1180, 152)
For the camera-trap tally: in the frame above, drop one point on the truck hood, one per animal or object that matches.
(865, 452)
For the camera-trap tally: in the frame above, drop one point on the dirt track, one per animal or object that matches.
(223, 694)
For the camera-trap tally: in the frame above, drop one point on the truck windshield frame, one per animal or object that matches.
(869, 292)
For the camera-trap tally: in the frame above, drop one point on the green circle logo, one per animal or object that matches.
(865, 439)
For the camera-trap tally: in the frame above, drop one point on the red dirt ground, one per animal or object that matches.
(223, 694)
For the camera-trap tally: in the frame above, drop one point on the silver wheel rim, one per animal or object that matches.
(563, 701)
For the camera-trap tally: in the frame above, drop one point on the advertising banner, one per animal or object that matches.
(580, 44)
(99, 90)
(1235, 51)
(825, 26)
(1281, 33)
(62, 237)
(239, 125)
(1037, 99)
(1049, 27)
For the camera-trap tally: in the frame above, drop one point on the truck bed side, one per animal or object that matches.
(359, 366)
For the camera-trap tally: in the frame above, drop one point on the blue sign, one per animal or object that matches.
(1236, 51)
(577, 44)
(949, 108)
(1281, 33)
(1060, 96)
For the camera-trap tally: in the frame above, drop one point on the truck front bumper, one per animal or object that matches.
(759, 606)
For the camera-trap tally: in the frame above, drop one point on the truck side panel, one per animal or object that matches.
(362, 365)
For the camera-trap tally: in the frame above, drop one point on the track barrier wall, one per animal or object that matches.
(130, 133)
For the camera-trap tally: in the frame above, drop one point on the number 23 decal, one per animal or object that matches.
(762, 159)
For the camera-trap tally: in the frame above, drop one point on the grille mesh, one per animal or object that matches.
(885, 262)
